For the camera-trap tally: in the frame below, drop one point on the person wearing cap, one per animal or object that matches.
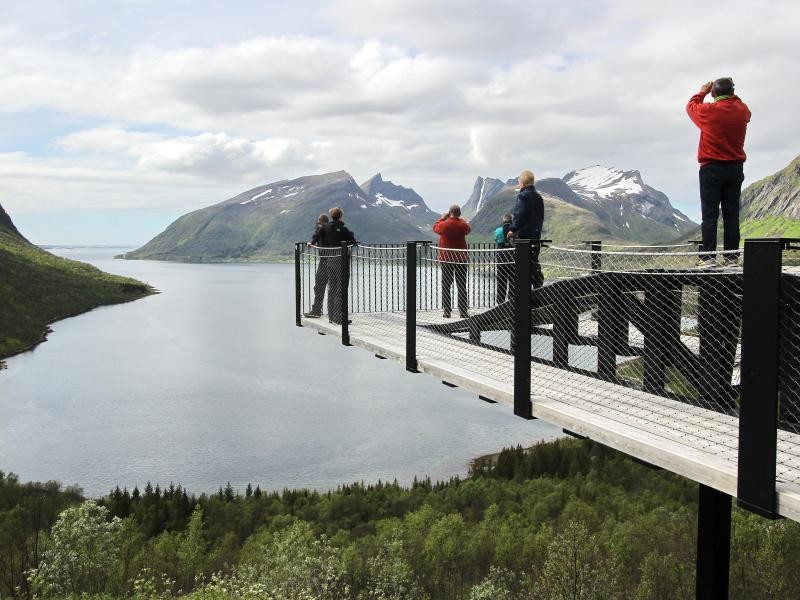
(723, 125)
(527, 219)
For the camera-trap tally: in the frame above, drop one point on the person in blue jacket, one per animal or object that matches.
(505, 261)
(526, 222)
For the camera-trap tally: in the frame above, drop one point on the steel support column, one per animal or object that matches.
(713, 544)
(344, 283)
(298, 310)
(758, 411)
(411, 307)
(522, 329)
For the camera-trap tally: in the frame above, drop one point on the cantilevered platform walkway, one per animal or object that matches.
(698, 443)
(692, 370)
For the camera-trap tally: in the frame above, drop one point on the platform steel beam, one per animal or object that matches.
(522, 329)
(713, 544)
(758, 410)
(411, 307)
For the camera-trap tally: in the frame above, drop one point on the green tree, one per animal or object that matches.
(575, 569)
(192, 550)
(499, 584)
(83, 551)
(665, 577)
(390, 577)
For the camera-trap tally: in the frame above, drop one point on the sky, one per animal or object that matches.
(118, 116)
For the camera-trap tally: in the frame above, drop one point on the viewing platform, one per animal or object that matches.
(693, 370)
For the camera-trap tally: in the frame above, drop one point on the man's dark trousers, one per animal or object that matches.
(320, 283)
(720, 186)
(458, 271)
(537, 277)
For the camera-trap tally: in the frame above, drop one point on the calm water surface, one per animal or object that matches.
(210, 382)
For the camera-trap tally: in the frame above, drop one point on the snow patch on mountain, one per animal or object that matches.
(604, 182)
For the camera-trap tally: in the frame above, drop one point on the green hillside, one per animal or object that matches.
(37, 288)
(770, 207)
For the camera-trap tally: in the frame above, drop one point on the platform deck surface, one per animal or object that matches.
(693, 441)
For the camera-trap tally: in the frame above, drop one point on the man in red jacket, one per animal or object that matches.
(453, 230)
(723, 124)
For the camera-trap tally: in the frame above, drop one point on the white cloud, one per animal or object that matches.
(433, 93)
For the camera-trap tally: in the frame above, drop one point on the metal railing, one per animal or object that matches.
(613, 329)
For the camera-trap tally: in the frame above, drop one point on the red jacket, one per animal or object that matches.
(723, 125)
(452, 234)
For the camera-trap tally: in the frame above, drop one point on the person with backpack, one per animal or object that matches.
(505, 261)
(322, 275)
(337, 232)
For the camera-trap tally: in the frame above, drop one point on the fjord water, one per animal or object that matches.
(211, 382)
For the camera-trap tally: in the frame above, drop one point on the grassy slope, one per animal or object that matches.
(37, 288)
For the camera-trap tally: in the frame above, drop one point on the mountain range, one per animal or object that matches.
(593, 203)
(264, 222)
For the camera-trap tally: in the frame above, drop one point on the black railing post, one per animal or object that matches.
(596, 246)
(522, 329)
(713, 544)
(411, 307)
(344, 313)
(298, 288)
(662, 305)
(758, 410)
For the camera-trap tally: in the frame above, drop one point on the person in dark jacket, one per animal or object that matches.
(336, 232)
(323, 268)
(505, 261)
(527, 219)
(723, 125)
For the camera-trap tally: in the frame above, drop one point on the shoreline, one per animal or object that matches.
(47, 330)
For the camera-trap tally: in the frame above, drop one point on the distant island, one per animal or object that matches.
(39, 288)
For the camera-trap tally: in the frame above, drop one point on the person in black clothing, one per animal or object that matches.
(526, 222)
(336, 232)
(323, 269)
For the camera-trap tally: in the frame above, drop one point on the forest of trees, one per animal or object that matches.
(565, 520)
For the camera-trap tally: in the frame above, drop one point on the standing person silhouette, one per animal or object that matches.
(322, 275)
(337, 232)
(454, 258)
(723, 125)
(527, 219)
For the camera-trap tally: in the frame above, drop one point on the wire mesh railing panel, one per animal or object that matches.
(378, 278)
(648, 325)
(465, 308)
(320, 273)
(789, 354)
(378, 292)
